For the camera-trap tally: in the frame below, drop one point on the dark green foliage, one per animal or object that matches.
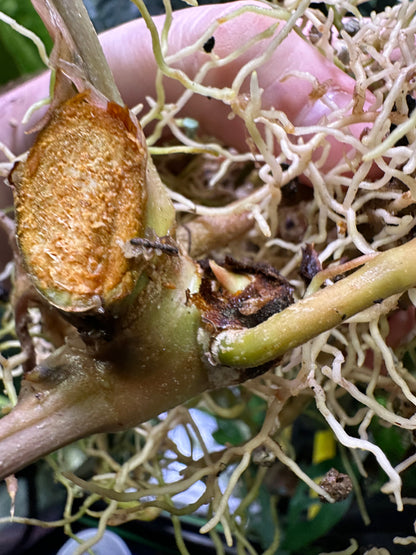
(235, 431)
(302, 528)
(18, 54)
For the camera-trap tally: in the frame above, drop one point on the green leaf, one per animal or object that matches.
(393, 441)
(301, 530)
(257, 409)
(4, 403)
(18, 55)
(261, 525)
(232, 432)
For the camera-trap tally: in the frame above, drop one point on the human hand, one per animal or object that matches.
(128, 49)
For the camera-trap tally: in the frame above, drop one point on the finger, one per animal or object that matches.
(14, 105)
(129, 51)
(134, 66)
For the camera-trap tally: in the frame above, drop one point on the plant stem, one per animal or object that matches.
(83, 36)
(150, 365)
(387, 274)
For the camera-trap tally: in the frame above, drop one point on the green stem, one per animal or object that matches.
(387, 274)
(82, 33)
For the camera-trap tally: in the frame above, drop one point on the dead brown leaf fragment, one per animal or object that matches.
(337, 484)
(267, 293)
(310, 264)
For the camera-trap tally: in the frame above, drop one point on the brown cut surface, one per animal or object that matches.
(79, 196)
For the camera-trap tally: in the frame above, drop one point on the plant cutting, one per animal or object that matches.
(135, 325)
